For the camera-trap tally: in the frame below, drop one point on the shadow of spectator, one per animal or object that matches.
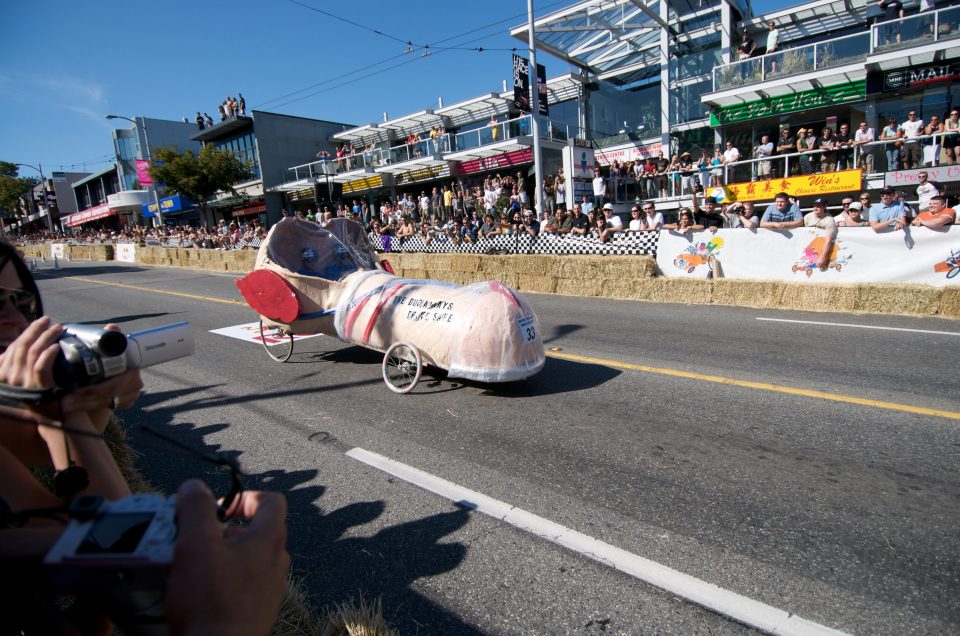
(333, 568)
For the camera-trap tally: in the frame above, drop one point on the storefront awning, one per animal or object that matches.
(90, 214)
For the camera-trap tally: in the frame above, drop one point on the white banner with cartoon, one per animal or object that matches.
(860, 255)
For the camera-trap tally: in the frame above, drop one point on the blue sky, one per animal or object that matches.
(66, 64)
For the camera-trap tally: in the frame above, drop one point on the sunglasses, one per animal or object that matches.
(24, 301)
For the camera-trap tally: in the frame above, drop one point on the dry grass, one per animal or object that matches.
(352, 619)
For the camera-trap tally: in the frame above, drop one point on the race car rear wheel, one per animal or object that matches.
(277, 344)
(402, 367)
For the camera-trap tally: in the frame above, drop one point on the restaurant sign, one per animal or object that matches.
(792, 102)
(805, 186)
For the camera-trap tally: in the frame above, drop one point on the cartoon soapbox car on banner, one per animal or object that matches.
(309, 279)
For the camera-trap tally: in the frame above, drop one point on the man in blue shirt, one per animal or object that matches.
(889, 214)
(781, 214)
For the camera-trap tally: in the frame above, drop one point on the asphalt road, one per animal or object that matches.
(841, 507)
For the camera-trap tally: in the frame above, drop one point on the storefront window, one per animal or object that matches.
(615, 113)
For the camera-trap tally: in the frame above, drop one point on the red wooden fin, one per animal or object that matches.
(385, 264)
(270, 295)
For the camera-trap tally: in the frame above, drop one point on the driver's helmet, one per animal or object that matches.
(310, 254)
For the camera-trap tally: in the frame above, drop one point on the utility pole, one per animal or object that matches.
(46, 199)
(535, 113)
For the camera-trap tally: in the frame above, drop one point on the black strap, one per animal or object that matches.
(15, 395)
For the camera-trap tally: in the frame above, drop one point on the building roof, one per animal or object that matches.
(609, 37)
(223, 128)
(95, 175)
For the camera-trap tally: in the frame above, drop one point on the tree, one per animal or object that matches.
(198, 176)
(13, 187)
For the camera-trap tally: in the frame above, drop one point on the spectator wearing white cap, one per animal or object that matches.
(851, 215)
(613, 221)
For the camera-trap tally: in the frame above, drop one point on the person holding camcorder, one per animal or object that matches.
(242, 572)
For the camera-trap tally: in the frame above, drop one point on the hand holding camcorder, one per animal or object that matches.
(90, 354)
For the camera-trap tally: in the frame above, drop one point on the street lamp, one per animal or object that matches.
(46, 200)
(146, 140)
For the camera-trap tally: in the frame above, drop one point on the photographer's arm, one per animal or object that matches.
(242, 571)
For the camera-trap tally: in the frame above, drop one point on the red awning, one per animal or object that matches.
(90, 214)
(250, 209)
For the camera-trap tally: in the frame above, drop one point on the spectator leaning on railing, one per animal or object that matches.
(889, 214)
(819, 219)
(936, 215)
(910, 152)
(782, 214)
(863, 139)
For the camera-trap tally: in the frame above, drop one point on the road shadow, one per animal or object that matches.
(557, 376)
(69, 270)
(128, 318)
(331, 556)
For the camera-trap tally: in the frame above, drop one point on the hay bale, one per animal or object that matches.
(418, 274)
(899, 299)
(538, 284)
(535, 264)
(494, 264)
(949, 305)
(578, 287)
(688, 291)
(747, 293)
(465, 262)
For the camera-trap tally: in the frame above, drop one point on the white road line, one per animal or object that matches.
(845, 324)
(740, 608)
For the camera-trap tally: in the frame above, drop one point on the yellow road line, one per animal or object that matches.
(688, 375)
(762, 386)
(159, 291)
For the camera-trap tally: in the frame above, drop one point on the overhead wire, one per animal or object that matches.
(428, 50)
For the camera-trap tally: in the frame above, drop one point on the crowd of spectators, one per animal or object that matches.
(225, 235)
(229, 108)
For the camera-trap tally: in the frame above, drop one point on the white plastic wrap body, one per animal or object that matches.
(484, 331)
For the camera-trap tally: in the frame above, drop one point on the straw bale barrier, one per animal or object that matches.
(624, 277)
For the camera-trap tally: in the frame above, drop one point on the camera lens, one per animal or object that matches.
(112, 343)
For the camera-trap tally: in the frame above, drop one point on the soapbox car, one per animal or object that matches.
(310, 279)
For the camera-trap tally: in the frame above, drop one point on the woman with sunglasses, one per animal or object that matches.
(29, 343)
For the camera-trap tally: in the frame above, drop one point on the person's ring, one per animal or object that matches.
(115, 402)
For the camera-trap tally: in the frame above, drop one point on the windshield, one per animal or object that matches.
(334, 252)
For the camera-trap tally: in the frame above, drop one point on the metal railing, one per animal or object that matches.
(873, 157)
(431, 147)
(932, 26)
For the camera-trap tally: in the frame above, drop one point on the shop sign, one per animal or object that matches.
(804, 100)
(424, 174)
(367, 183)
(167, 205)
(908, 178)
(805, 186)
(912, 78)
(143, 173)
(496, 162)
(90, 214)
(631, 153)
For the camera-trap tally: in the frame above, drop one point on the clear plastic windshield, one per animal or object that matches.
(331, 253)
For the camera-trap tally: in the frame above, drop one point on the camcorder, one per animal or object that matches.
(89, 354)
(120, 553)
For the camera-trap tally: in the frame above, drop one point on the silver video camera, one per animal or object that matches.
(120, 551)
(90, 354)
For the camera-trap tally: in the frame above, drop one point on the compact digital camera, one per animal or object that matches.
(121, 551)
(90, 354)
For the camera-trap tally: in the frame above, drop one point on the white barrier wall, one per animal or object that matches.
(917, 255)
(126, 252)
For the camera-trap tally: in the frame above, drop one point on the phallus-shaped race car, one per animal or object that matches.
(310, 279)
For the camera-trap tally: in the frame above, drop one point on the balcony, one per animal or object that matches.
(842, 59)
